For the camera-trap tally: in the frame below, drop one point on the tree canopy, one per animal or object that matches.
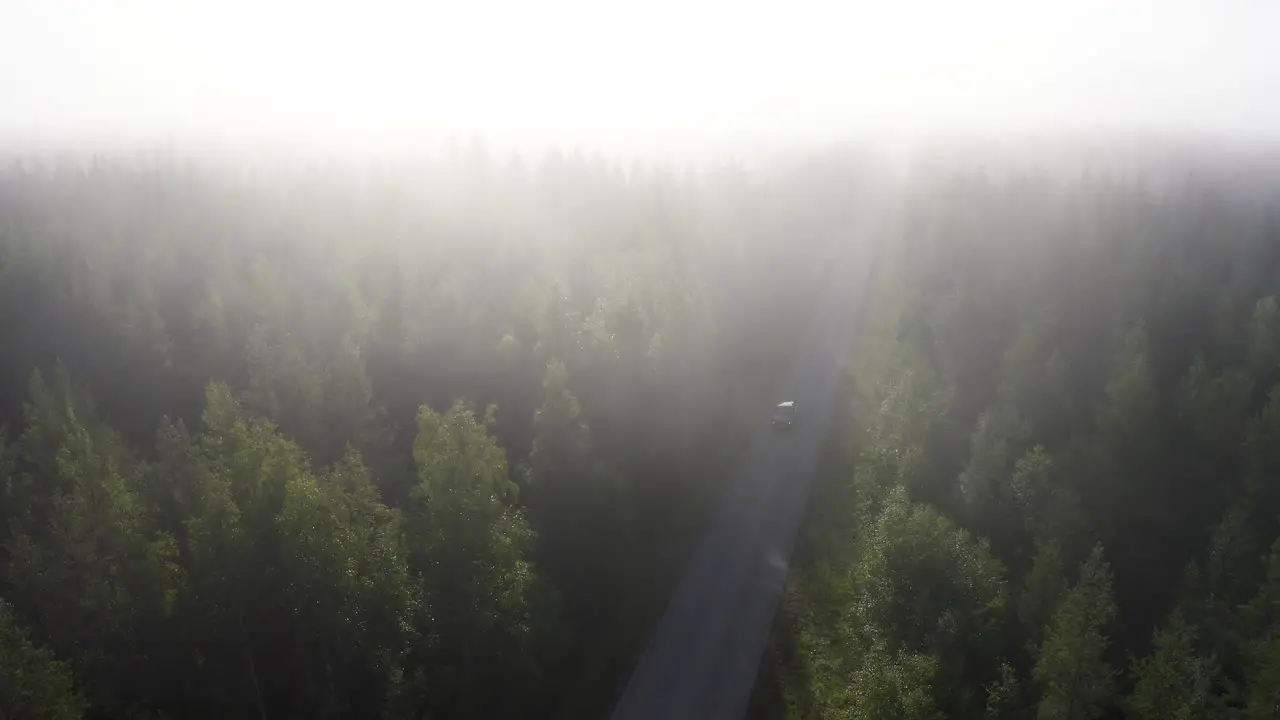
(436, 437)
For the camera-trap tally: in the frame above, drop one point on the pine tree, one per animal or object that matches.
(1076, 680)
(1173, 682)
(1042, 593)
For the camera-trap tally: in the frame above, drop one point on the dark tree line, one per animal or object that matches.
(415, 439)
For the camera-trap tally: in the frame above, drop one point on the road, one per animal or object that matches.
(704, 654)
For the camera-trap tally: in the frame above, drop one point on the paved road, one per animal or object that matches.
(704, 654)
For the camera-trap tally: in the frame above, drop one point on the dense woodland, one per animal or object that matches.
(429, 438)
(1056, 494)
(434, 439)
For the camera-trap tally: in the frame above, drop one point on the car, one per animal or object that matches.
(784, 415)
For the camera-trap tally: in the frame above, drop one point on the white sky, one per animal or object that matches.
(610, 75)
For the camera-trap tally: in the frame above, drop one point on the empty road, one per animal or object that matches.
(704, 654)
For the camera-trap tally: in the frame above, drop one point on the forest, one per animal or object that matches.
(422, 438)
(1054, 494)
(435, 437)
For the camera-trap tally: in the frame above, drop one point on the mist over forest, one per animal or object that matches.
(437, 437)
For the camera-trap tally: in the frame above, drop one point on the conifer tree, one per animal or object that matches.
(1072, 671)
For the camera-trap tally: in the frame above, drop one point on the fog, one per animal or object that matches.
(661, 77)
(403, 361)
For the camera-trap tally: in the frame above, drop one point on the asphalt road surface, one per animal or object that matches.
(704, 654)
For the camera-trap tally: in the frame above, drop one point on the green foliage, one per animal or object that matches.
(920, 605)
(342, 553)
(1004, 696)
(266, 541)
(992, 445)
(1129, 409)
(1173, 681)
(1035, 379)
(563, 439)
(1258, 631)
(313, 395)
(469, 552)
(1047, 360)
(33, 683)
(1043, 590)
(325, 311)
(1262, 693)
(53, 410)
(890, 685)
(1049, 504)
(1216, 407)
(91, 565)
(1064, 362)
(903, 433)
(925, 583)
(1071, 669)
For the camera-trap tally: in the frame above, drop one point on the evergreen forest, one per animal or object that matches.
(436, 437)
